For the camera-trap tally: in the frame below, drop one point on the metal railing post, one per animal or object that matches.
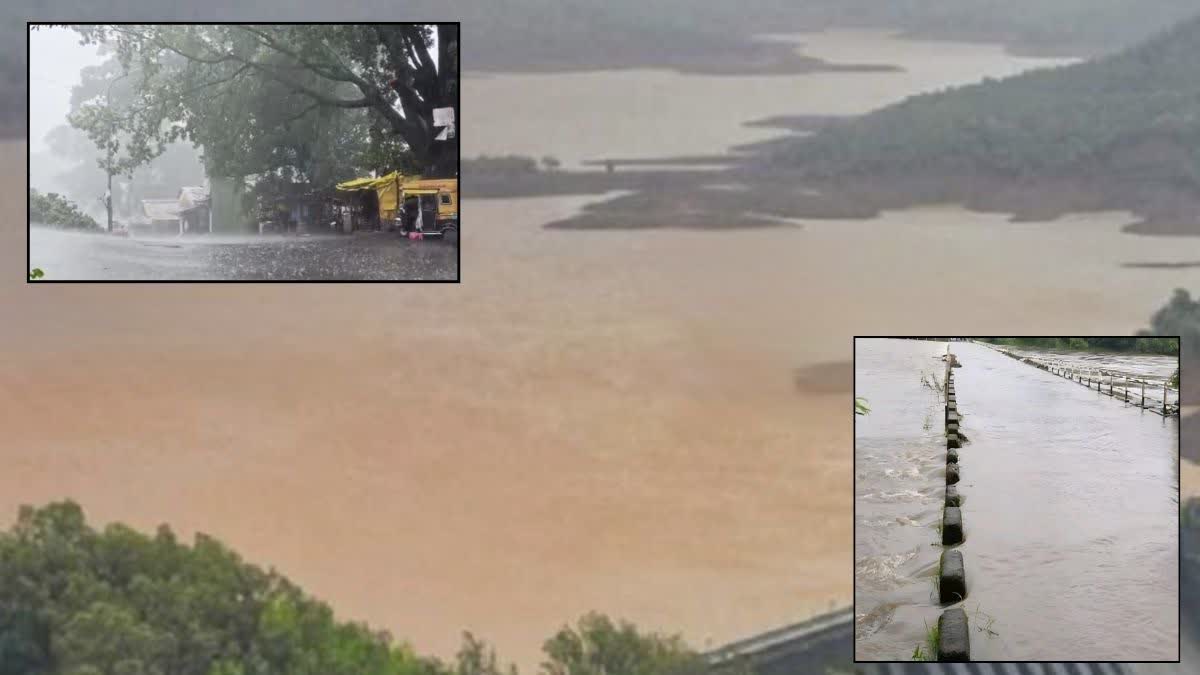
(1143, 393)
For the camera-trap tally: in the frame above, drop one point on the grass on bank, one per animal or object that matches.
(932, 637)
(983, 622)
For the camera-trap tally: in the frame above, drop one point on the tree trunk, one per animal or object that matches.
(443, 155)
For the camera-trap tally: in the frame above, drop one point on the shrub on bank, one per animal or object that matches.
(54, 209)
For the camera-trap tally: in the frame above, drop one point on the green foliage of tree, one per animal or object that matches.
(1181, 316)
(261, 98)
(75, 601)
(476, 658)
(87, 163)
(54, 209)
(598, 646)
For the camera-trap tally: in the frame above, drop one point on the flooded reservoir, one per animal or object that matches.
(1069, 510)
(605, 421)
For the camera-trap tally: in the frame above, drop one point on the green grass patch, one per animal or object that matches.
(932, 637)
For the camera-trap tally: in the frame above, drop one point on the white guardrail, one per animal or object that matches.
(1158, 397)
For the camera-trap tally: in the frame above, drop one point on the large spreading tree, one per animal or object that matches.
(262, 99)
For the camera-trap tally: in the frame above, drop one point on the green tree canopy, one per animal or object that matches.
(260, 98)
(54, 209)
(76, 601)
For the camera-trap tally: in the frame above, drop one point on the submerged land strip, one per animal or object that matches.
(740, 194)
(1112, 134)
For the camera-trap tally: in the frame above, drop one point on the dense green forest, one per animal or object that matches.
(1143, 345)
(1132, 117)
(54, 209)
(77, 601)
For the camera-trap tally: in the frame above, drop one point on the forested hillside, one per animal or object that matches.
(1133, 116)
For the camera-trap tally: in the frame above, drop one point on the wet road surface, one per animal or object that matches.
(372, 256)
(1070, 512)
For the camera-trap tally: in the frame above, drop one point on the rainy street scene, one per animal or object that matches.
(1016, 499)
(254, 152)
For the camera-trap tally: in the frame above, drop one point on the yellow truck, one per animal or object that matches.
(413, 203)
(430, 206)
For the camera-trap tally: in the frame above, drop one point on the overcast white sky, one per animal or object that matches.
(55, 59)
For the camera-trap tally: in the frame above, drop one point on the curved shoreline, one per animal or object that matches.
(693, 199)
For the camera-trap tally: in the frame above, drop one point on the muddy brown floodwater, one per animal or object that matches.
(646, 424)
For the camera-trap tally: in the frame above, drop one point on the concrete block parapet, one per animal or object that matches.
(952, 582)
(952, 498)
(952, 474)
(954, 639)
(952, 526)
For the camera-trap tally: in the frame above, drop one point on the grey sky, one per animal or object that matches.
(55, 59)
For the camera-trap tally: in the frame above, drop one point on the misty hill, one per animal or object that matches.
(1129, 122)
(690, 35)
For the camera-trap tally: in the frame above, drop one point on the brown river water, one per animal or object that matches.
(650, 424)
